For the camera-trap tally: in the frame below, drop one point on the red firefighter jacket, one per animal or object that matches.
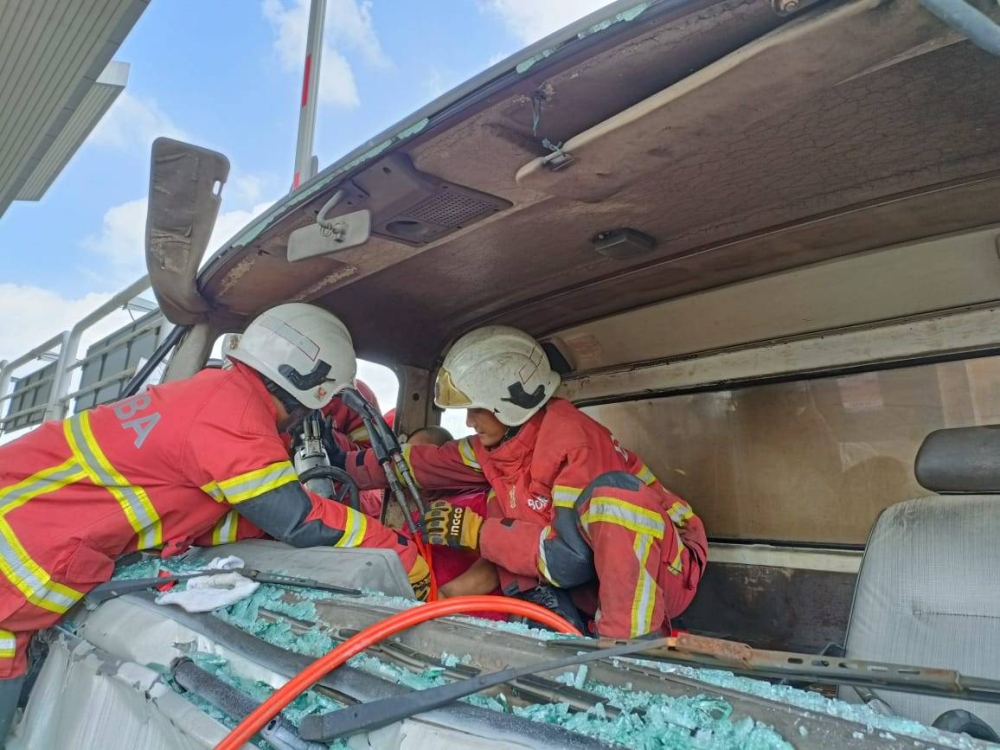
(548, 463)
(157, 470)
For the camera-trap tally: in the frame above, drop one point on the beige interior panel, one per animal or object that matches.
(939, 274)
(770, 74)
(806, 461)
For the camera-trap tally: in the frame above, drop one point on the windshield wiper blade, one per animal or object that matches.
(367, 717)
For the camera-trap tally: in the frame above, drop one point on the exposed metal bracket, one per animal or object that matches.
(557, 160)
(788, 7)
(978, 27)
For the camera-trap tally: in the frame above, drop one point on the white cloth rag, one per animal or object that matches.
(225, 563)
(211, 592)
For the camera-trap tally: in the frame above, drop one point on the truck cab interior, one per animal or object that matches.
(761, 241)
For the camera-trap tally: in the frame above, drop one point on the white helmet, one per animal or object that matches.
(497, 368)
(303, 349)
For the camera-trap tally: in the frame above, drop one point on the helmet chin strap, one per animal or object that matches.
(509, 433)
(291, 404)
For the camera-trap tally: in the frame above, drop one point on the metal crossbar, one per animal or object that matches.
(64, 349)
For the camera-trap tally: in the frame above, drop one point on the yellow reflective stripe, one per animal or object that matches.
(543, 566)
(359, 435)
(356, 524)
(132, 499)
(677, 565)
(564, 496)
(8, 644)
(624, 514)
(225, 530)
(644, 599)
(468, 454)
(406, 450)
(212, 488)
(247, 486)
(680, 513)
(646, 475)
(30, 578)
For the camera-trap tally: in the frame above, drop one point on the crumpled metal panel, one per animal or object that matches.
(360, 568)
(84, 699)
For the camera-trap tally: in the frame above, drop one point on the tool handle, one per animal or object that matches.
(306, 583)
(111, 589)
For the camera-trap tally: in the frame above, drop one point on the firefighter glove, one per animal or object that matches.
(336, 454)
(453, 526)
(420, 579)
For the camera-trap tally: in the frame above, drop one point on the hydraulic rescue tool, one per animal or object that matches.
(314, 469)
(732, 656)
(113, 589)
(387, 449)
(389, 454)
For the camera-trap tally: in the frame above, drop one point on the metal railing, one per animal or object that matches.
(63, 350)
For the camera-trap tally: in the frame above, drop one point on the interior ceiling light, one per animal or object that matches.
(622, 244)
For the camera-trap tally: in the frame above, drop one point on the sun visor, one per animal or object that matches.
(962, 460)
(185, 186)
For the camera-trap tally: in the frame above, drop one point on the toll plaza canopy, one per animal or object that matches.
(56, 82)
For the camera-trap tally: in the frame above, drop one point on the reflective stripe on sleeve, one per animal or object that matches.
(680, 513)
(30, 578)
(645, 475)
(468, 454)
(359, 435)
(212, 488)
(132, 499)
(624, 514)
(676, 565)
(355, 526)
(644, 599)
(254, 483)
(8, 644)
(225, 530)
(543, 565)
(564, 496)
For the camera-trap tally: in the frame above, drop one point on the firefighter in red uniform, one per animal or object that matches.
(160, 469)
(349, 430)
(570, 506)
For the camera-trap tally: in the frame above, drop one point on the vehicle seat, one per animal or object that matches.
(928, 592)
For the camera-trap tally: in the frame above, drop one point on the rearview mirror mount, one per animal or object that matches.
(326, 235)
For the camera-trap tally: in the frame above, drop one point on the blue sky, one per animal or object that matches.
(226, 74)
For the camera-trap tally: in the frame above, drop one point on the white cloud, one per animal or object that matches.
(133, 123)
(349, 26)
(530, 20)
(121, 241)
(230, 222)
(120, 244)
(336, 82)
(29, 315)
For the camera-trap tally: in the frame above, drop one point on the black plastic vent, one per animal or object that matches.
(415, 207)
(451, 209)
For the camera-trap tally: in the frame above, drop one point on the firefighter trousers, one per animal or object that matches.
(647, 563)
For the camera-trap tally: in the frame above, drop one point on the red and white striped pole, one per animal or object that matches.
(304, 168)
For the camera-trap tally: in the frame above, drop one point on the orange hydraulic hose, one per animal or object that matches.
(374, 634)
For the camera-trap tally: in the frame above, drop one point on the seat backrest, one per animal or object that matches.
(928, 594)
